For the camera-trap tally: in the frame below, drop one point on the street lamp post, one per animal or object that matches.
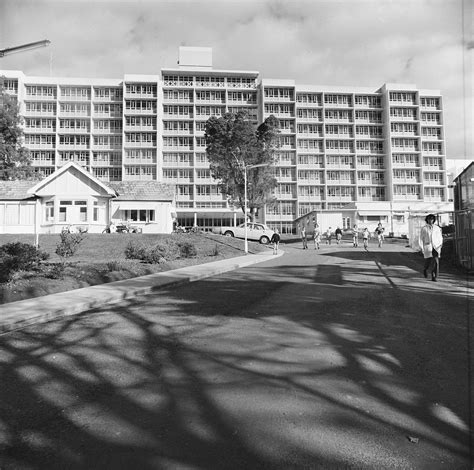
(245, 168)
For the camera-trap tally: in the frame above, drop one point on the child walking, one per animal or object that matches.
(355, 237)
(275, 240)
(366, 236)
(317, 237)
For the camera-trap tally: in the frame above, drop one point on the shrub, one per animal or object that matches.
(115, 265)
(54, 271)
(215, 251)
(134, 250)
(68, 245)
(19, 256)
(187, 250)
(166, 250)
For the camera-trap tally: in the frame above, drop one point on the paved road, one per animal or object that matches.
(325, 359)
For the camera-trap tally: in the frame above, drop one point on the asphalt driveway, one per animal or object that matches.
(335, 358)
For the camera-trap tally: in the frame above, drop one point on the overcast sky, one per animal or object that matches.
(351, 42)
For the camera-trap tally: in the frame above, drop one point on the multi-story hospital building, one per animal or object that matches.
(375, 151)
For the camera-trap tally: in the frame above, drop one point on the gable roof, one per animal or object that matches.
(16, 190)
(468, 168)
(142, 190)
(65, 168)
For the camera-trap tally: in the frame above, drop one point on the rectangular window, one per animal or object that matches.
(49, 215)
(83, 214)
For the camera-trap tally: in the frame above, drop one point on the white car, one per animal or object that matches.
(255, 231)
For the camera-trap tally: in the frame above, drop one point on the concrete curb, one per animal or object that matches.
(20, 314)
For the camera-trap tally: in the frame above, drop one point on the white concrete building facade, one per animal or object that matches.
(369, 147)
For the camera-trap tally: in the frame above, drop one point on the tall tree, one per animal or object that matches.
(15, 160)
(234, 142)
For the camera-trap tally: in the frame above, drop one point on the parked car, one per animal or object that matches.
(255, 231)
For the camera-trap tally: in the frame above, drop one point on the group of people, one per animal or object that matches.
(328, 235)
(431, 241)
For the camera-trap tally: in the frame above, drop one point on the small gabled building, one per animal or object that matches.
(73, 196)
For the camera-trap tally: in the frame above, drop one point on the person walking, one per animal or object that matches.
(365, 237)
(355, 236)
(276, 241)
(303, 238)
(317, 237)
(328, 236)
(379, 232)
(431, 241)
(338, 234)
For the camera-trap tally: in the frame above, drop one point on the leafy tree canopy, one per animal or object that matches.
(233, 142)
(15, 160)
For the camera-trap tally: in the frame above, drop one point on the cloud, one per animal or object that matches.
(337, 42)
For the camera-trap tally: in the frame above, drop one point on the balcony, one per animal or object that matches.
(140, 144)
(66, 130)
(40, 113)
(301, 104)
(82, 114)
(407, 197)
(405, 165)
(341, 120)
(184, 197)
(147, 96)
(40, 146)
(340, 182)
(129, 111)
(170, 132)
(40, 130)
(209, 198)
(218, 101)
(403, 118)
(100, 147)
(432, 138)
(65, 99)
(278, 99)
(179, 164)
(181, 116)
(40, 98)
(178, 82)
(340, 198)
(341, 151)
(107, 99)
(108, 114)
(370, 198)
(280, 217)
(285, 196)
(337, 105)
(406, 180)
(73, 147)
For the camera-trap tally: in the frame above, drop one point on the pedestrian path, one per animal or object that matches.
(16, 315)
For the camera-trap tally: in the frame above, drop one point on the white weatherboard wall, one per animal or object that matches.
(163, 222)
(73, 186)
(17, 217)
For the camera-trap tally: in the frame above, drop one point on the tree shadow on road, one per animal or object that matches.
(266, 367)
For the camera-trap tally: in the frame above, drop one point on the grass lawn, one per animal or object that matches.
(100, 258)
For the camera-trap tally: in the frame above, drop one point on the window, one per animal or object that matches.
(49, 211)
(140, 215)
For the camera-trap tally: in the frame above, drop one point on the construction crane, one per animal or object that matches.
(24, 47)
